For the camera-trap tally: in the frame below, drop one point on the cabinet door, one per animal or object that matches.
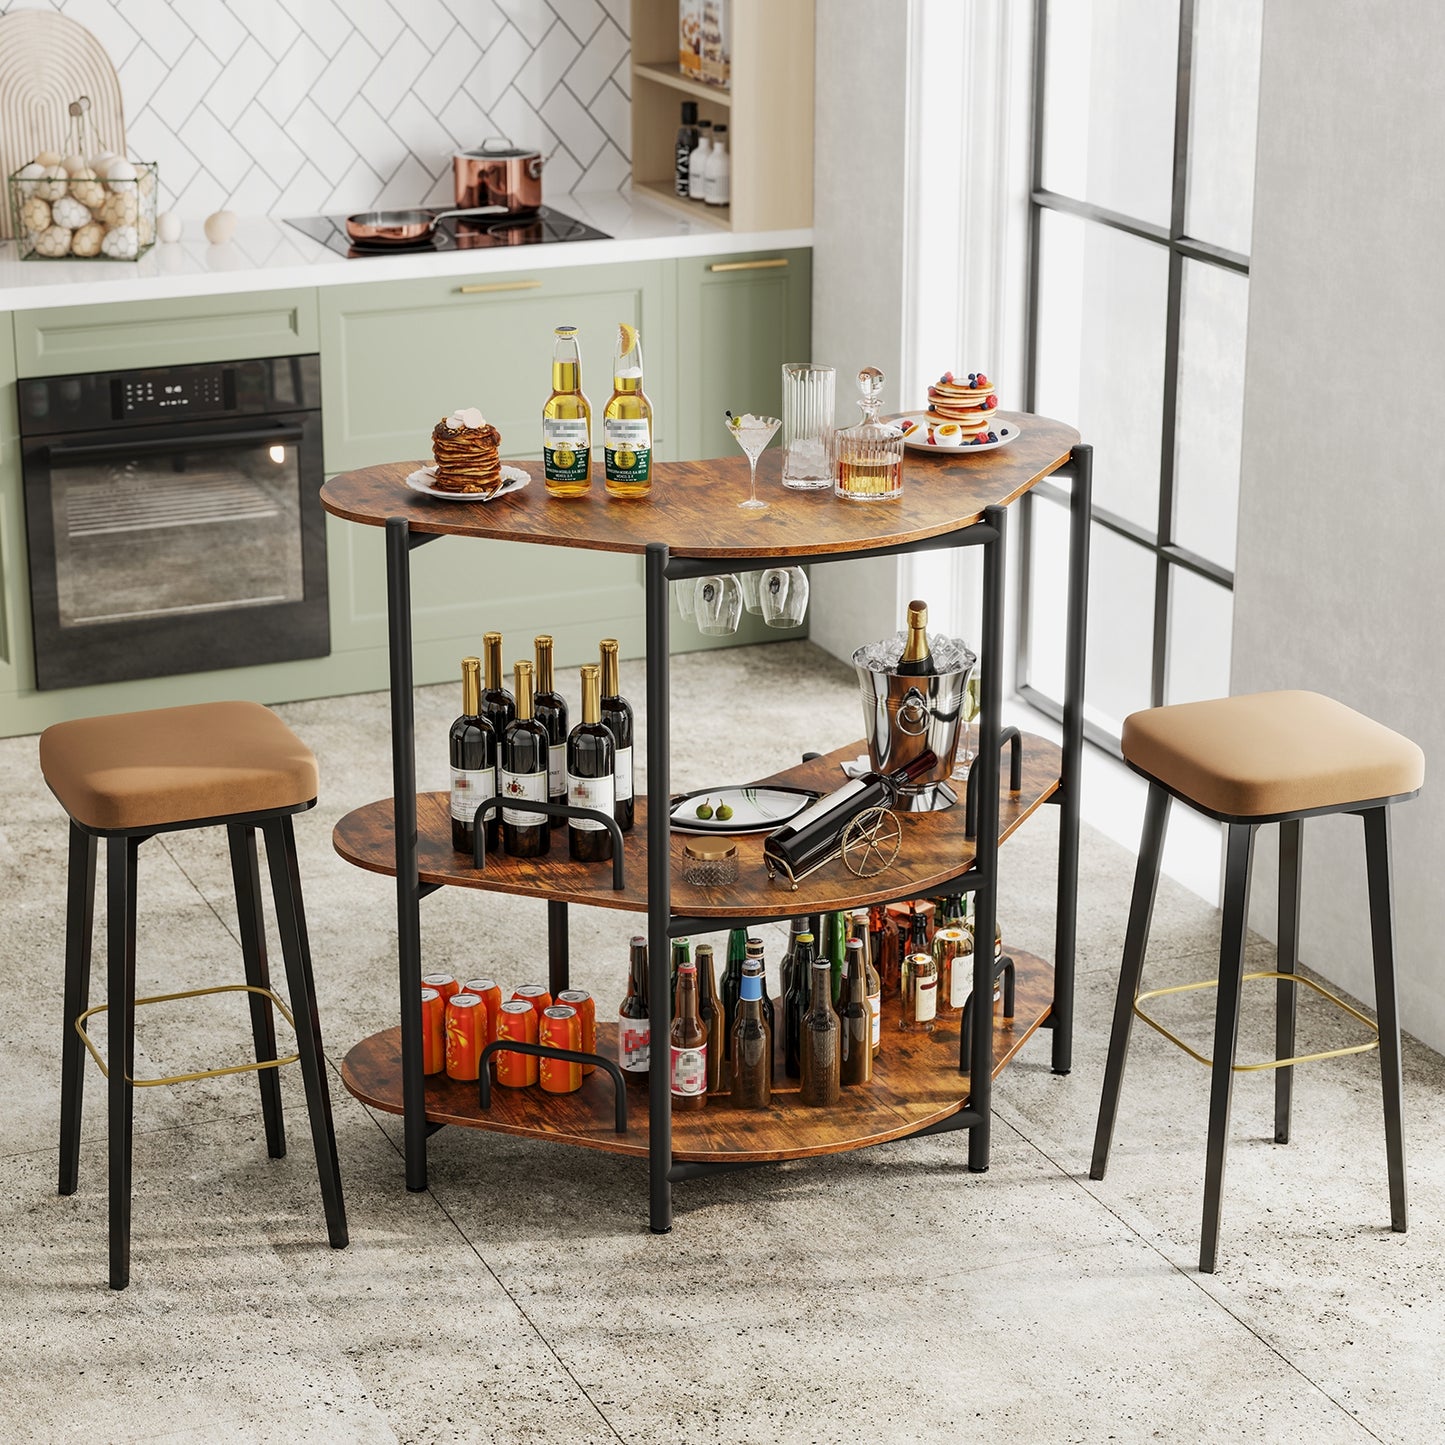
(739, 319)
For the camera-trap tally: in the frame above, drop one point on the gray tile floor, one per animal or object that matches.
(887, 1293)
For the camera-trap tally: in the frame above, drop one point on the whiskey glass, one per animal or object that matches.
(808, 391)
(784, 595)
(718, 605)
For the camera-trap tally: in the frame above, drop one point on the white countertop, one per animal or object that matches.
(267, 254)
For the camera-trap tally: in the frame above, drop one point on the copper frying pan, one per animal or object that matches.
(405, 228)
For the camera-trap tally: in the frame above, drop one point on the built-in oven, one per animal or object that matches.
(174, 519)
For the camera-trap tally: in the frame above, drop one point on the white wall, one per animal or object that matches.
(1338, 583)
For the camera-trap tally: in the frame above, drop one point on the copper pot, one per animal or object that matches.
(497, 173)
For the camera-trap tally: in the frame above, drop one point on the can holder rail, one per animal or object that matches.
(550, 1051)
(1002, 966)
(548, 810)
(1014, 739)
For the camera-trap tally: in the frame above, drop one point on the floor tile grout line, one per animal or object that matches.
(1189, 1278)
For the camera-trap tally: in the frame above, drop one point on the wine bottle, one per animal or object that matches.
(499, 707)
(732, 983)
(820, 1043)
(917, 659)
(855, 1021)
(634, 1028)
(751, 1044)
(920, 994)
(861, 919)
(566, 422)
(687, 1044)
(524, 775)
(617, 714)
(953, 955)
(795, 1005)
(549, 707)
(473, 747)
(710, 1011)
(589, 775)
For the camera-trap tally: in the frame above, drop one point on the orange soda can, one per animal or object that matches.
(433, 1032)
(561, 1028)
(466, 1035)
(444, 984)
(581, 1000)
(517, 1021)
(490, 993)
(536, 994)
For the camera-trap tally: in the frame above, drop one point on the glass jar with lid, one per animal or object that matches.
(870, 454)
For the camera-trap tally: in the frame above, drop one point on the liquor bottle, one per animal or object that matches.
(687, 1044)
(716, 184)
(681, 955)
(634, 1029)
(710, 1011)
(751, 1043)
(953, 956)
(697, 161)
(820, 1043)
(888, 950)
(627, 421)
(549, 707)
(499, 707)
(524, 775)
(617, 714)
(687, 134)
(917, 659)
(835, 950)
(732, 983)
(855, 1021)
(589, 775)
(755, 955)
(920, 994)
(473, 747)
(795, 1005)
(796, 928)
(918, 940)
(566, 422)
(860, 920)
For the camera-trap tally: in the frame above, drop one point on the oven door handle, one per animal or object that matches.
(92, 451)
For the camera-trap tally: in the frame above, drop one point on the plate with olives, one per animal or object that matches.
(739, 810)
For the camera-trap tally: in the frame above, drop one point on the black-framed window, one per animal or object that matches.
(1144, 118)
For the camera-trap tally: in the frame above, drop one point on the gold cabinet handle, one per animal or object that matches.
(499, 286)
(769, 265)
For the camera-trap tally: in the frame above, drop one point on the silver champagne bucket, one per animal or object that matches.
(906, 715)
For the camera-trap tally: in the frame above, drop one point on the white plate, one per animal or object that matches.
(513, 480)
(1007, 431)
(755, 810)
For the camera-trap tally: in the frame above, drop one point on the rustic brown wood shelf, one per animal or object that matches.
(916, 1083)
(934, 850)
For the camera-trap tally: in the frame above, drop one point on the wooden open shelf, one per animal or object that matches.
(934, 850)
(661, 72)
(916, 1082)
(663, 193)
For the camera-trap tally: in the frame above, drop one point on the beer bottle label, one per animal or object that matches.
(634, 1041)
(471, 787)
(622, 772)
(594, 793)
(566, 443)
(689, 1070)
(627, 449)
(925, 999)
(875, 1010)
(532, 787)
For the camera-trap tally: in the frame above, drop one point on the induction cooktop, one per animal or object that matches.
(545, 227)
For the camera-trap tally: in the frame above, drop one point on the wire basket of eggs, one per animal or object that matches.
(84, 203)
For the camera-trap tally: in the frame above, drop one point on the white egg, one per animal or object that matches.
(120, 169)
(948, 435)
(168, 226)
(67, 211)
(100, 160)
(32, 172)
(121, 242)
(220, 227)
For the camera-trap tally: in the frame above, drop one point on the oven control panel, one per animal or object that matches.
(181, 392)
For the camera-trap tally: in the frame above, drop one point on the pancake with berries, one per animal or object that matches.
(968, 401)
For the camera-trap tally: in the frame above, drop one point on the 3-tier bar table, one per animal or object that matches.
(688, 527)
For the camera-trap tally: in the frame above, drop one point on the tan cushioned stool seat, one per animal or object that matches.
(1271, 752)
(176, 765)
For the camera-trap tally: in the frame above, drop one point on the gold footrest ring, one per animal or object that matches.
(1295, 978)
(248, 1068)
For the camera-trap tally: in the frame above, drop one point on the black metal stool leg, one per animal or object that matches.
(291, 921)
(79, 925)
(1287, 961)
(1239, 854)
(1136, 939)
(246, 877)
(120, 867)
(1387, 1012)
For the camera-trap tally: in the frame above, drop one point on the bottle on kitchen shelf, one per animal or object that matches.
(731, 986)
(627, 421)
(859, 927)
(796, 928)
(549, 707)
(687, 134)
(888, 950)
(687, 1044)
(795, 1005)
(499, 707)
(634, 1029)
(953, 956)
(835, 950)
(751, 1044)
(710, 1011)
(820, 1043)
(697, 161)
(716, 185)
(920, 993)
(681, 955)
(566, 421)
(917, 659)
(617, 714)
(589, 774)
(473, 747)
(856, 1020)
(755, 955)
(524, 756)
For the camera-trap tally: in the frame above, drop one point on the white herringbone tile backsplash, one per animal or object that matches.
(293, 107)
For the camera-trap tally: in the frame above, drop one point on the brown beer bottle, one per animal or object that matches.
(862, 932)
(856, 1023)
(687, 1044)
(714, 1019)
(752, 1044)
(634, 1030)
(820, 1042)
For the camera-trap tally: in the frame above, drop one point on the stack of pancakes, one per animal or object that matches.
(465, 446)
(970, 402)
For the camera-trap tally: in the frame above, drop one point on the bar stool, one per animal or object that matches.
(125, 779)
(1273, 757)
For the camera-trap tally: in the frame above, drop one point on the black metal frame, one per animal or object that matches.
(979, 878)
(1168, 554)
